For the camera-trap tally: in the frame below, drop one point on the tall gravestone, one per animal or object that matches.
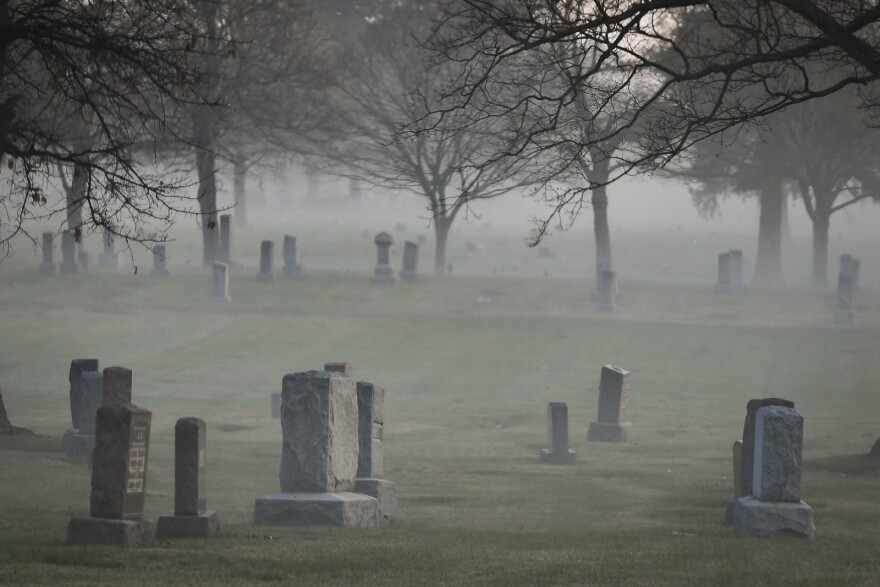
(292, 268)
(844, 310)
(78, 443)
(724, 284)
(160, 262)
(225, 255)
(220, 283)
(384, 272)
(613, 397)
(319, 457)
(557, 429)
(68, 253)
(605, 290)
(267, 249)
(773, 505)
(47, 267)
(117, 386)
(191, 518)
(748, 438)
(410, 274)
(109, 259)
(371, 424)
(119, 472)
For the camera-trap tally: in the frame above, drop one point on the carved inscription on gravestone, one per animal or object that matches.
(119, 468)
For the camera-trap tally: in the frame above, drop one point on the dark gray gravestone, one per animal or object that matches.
(383, 273)
(117, 386)
(409, 274)
(91, 399)
(68, 253)
(108, 259)
(190, 518)
(79, 441)
(266, 252)
(613, 397)
(748, 440)
(225, 255)
(557, 429)
(844, 312)
(220, 283)
(725, 283)
(160, 262)
(371, 423)
(47, 267)
(292, 267)
(77, 368)
(119, 472)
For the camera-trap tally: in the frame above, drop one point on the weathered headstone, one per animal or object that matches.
(109, 259)
(160, 262)
(605, 290)
(613, 396)
(292, 267)
(383, 273)
(91, 399)
(319, 459)
(117, 386)
(410, 274)
(79, 441)
(748, 438)
(225, 253)
(725, 284)
(47, 267)
(371, 424)
(844, 312)
(68, 253)
(119, 471)
(275, 404)
(220, 283)
(190, 519)
(266, 251)
(557, 428)
(774, 505)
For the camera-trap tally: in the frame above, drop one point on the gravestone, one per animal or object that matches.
(117, 386)
(319, 457)
(605, 290)
(225, 253)
(275, 404)
(383, 273)
(748, 439)
(371, 423)
(557, 428)
(844, 312)
(190, 518)
(613, 396)
(725, 283)
(68, 253)
(160, 262)
(47, 267)
(410, 262)
(774, 505)
(109, 259)
(77, 442)
(220, 283)
(292, 267)
(267, 249)
(119, 471)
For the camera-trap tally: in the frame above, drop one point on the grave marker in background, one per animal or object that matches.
(557, 428)
(613, 396)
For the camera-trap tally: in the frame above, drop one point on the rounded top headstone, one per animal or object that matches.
(383, 238)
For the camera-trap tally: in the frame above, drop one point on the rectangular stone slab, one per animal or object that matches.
(382, 490)
(779, 438)
(339, 510)
(748, 438)
(119, 463)
(557, 427)
(189, 467)
(753, 518)
(371, 416)
(91, 398)
(319, 424)
(97, 531)
(77, 368)
(117, 386)
(613, 394)
(204, 525)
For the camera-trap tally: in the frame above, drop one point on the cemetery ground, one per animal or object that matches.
(467, 385)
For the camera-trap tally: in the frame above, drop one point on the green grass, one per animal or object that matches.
(467, 386)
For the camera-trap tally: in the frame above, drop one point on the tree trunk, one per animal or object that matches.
(239, 181)
(76, 196)
(441, 234)
(208, 205)
(601, 230)
(821, 223)
(768, 265)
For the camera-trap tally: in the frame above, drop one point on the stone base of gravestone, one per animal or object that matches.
(203, 525)
(276, 404)
(108, 261)
(47, 268)
(408, 276)
(126, 533)
(607, 432)
(337, 510)
(844, 317)
(753, 518)
(383, 275)
(78, 447)
(292, 271)
(557, 458)
(382, 490)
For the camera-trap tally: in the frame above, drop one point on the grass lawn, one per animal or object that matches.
(466, 392)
